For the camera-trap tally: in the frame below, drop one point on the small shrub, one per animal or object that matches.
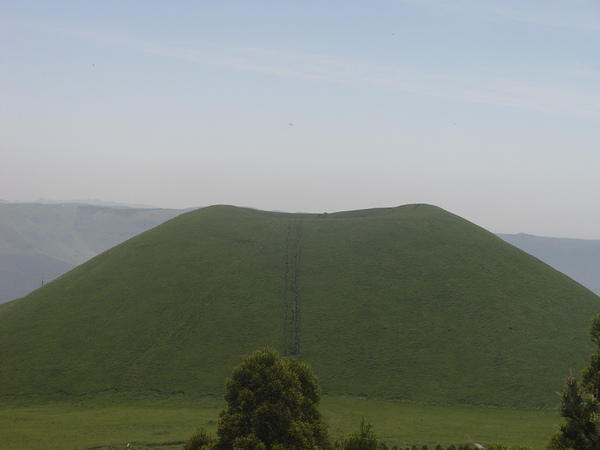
(507, 447)
(363, 439)
(559, 442)
(200, 440)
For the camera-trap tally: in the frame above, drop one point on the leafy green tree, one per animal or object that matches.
(580, 409)
(272, 405)
(591, 374)
(580, 405)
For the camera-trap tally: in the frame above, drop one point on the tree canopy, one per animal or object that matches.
(581, 405)
(272, 404)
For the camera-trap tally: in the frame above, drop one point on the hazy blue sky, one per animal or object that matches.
(488, 109)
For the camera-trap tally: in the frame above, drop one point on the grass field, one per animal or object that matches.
(111, 422)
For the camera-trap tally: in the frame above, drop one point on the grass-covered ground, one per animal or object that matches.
(411, 304)
(112, 422)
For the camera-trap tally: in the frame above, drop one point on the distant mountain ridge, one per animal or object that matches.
(576, 258)
(91, 202)
(39, 242)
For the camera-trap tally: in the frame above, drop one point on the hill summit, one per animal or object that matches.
(410, 303)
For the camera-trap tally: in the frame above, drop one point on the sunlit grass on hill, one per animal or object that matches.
(410, 303)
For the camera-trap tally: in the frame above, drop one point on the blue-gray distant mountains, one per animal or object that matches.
(39, 242)
(577, 258)
(410, 303)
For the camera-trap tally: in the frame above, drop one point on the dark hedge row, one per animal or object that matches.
(455, 447)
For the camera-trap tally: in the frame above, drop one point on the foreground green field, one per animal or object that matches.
(163, 424)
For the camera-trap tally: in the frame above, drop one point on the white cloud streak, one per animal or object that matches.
(557, 90)
(567, 91)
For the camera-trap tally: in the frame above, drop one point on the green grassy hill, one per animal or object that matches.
(410, 303)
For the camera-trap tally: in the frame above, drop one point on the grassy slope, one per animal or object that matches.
(457, 313)
(410, 303)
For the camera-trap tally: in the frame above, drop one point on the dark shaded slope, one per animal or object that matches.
(411, 303)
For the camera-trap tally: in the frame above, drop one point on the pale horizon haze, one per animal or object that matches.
(488, 109)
